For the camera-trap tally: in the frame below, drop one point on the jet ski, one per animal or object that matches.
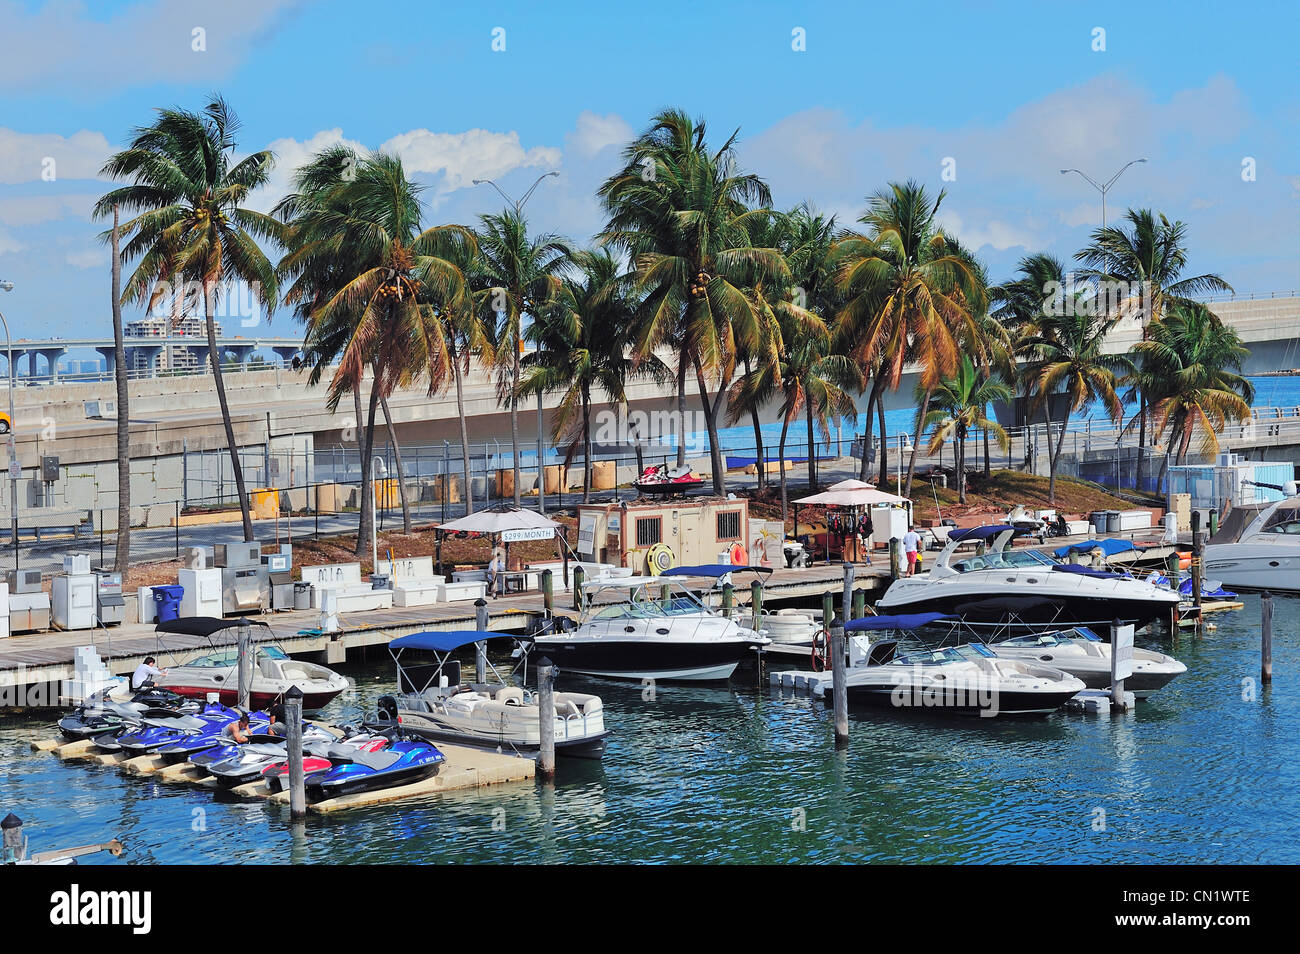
(234, 765)
(105, 712)
(322, 757)
(402, 762)
(181, 735)
(662, 480)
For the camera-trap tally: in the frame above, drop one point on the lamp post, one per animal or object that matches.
(380, 469)
(541, 464)
(1103, 189)
(12, 440)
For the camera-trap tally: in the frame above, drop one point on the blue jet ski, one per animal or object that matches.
(403, 762)
(204, 726)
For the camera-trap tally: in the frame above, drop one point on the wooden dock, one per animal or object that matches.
(47, 658)
(464, 768)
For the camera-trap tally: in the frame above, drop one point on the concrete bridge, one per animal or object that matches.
(51, 350)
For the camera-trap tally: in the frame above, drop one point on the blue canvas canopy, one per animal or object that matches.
(979, 533)
(442, 642)
(1087, 571)
(1108, 547)
(907, 621)
(713, 569)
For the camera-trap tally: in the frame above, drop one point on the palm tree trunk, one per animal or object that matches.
(366, 524)
(988, 467)
(916, 444)
(884, 450)
(397, 462)
(210, 310)
(681, 409)
(1056, 456)
(514, 418)
(464, 440)
(123, 555)
(711, 422)
(868, 433)
(785, 505)
(586, 444)
(1142, 441)
(961, 468)
(759, 464)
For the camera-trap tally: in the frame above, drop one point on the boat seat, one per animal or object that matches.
(291, 671)
(510, 695)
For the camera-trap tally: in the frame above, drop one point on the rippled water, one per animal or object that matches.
(740, 774)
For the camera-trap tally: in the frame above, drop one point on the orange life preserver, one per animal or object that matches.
(1184, 560)
(739, 556)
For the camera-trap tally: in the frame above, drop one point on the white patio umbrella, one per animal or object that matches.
(848, 493)
(498, 521)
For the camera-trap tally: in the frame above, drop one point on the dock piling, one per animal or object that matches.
(828, 613)
(480, 648)
(895, 564)
(1266, 638)
(548, 593)
(546, 717)
(846, 605)
(579, 576)
(293, 741)
(838, 675)
(756, 603)
(859, 604)
(245, 656)
(728, 598)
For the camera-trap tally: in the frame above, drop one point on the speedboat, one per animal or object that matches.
(435, 704)
(1070, 593)
(792, 627)
(649, 627)
(273, 674)
(968, 679)
(1081, 653)
(401, 763)
(1258, 547)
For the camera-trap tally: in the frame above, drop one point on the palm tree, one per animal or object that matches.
(189, 194)
(911, 294)
(959, 407)
(1149, 259)
(1067, 356)
(581, 346)
(681, 212)
(521, 275)
(368, 281)
(1195, 359)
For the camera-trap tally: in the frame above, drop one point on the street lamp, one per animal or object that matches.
(1103, 189)
(381, 472)
(541, 465)
(13, 444)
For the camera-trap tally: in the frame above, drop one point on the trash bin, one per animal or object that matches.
(301, 596)
(1112, 521)
(1098, 521)
(168, 601)
(379, 581)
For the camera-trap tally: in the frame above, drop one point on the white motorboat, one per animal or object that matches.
(968, 679)
(435, 704)
(1065, 593)
(790, 627)
(1081, 653)
(793, 627)
(273, 671)
(650, 627)
(1258, 547)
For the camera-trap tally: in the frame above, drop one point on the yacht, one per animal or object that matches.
(1258, 547)
(969, 679)
(1064, 593)
(789, 627)
(649, 627)
(435, 704)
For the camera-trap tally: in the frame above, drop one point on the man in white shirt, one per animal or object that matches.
(911, 546)
(494, 568)
(142, 678)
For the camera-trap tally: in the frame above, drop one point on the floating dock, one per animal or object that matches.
(464, 768)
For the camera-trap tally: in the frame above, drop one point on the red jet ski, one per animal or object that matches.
(662, 480)
(320, 758)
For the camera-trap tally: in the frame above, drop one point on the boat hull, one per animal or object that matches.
(419, 723)
(904, 699)
(640, 659)
(1097, 613)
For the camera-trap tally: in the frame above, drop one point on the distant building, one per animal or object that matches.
(174, 357)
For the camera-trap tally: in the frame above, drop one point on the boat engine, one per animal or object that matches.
(387, 709)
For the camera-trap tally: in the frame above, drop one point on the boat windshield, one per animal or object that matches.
(1037, 640)
(230, 657)
(1003, 560)
(1284, 520)
(647, 603)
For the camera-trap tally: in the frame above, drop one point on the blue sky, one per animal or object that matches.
(1007, 93)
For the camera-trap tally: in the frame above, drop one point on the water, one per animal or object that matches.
(738, 774)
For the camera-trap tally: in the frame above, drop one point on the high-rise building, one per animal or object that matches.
(173, 357)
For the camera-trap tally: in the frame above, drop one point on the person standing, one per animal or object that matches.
(911, 547)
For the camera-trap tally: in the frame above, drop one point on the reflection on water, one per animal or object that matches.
(741, 774)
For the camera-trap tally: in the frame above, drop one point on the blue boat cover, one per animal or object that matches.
(908, 621)
(980, 533)
(442, 642)
(1087, 571)
(1108, 547)
(713, 569)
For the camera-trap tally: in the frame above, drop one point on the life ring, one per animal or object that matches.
(821, 651)
(660, 558)
(1184, 560)
(739, 556)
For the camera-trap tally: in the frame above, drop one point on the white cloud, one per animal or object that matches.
(64, 45)
(28, 210)
(463, 157)
(594, 132)
(290, 154)
(8, 243)
(26, 157)
(87, 258)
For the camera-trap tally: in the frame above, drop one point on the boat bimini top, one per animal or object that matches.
(441, 645)
(716, 570)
